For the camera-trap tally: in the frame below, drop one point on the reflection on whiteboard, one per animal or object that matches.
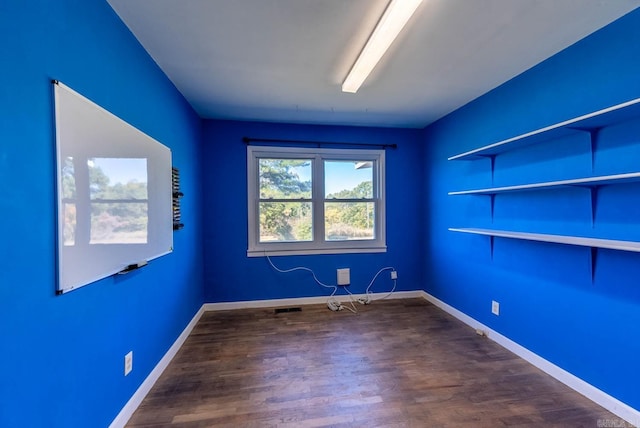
(69, 202)
(114, 193)
(118, 200)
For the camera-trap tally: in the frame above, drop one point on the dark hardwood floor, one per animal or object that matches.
(397, 363)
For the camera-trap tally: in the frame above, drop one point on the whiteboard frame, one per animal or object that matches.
(78, 132)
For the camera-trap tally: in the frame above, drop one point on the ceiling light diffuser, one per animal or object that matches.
(393, 20)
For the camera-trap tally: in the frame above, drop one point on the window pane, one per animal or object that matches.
(348, 179)
(119, 223)
(285, 178)
(285, 221)
(349, 220)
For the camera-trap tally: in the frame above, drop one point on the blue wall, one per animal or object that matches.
(549, 302)
(231, 276)
(61, 357)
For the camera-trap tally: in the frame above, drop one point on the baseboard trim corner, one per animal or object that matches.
(596, 395)
(136, 399)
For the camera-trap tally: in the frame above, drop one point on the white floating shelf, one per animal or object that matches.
(558, 239)
(591, 121)
(587, 182)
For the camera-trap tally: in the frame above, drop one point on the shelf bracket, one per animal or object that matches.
(593, 259)
(492, 202)
(594, 134)
(491, 243)
(593, 201)
(593, 191)
(492, 159)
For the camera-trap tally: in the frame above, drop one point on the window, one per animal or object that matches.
(315, 201)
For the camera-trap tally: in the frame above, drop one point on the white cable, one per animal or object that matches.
(395, 282)
(369, 294)
(353, 301)
(332, 302)
(300, 268)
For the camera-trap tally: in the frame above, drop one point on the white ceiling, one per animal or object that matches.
(284, 60)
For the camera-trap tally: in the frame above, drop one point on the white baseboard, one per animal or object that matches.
(142, 391)
(253, 304)
(610, 403)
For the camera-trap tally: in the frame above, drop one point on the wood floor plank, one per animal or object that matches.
(397, 363)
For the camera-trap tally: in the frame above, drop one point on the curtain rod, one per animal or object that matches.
(248, 140)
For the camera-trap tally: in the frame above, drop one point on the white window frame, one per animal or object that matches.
(318, 245)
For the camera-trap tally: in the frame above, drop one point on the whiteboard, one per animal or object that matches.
(114, 200)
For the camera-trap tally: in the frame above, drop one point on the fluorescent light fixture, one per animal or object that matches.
(392, 22)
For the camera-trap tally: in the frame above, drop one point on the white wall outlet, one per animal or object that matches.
(495, 307)
(344, 276)
(394, 274)
(128, 363)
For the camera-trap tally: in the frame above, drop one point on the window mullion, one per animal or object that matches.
(318, 200)
(380, 198)
(254, 202)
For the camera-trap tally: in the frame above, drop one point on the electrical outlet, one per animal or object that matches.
(394, 274)
(344, 276)
(495, 308)
(128, 363)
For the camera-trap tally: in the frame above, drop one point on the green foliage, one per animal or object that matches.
(363, 190)
(118, 222)
(285, 221)
(304, 230)
(349, 220)
(68, 179)
(279, 180)
(98, 182)
(113, 221)
(69, 228)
